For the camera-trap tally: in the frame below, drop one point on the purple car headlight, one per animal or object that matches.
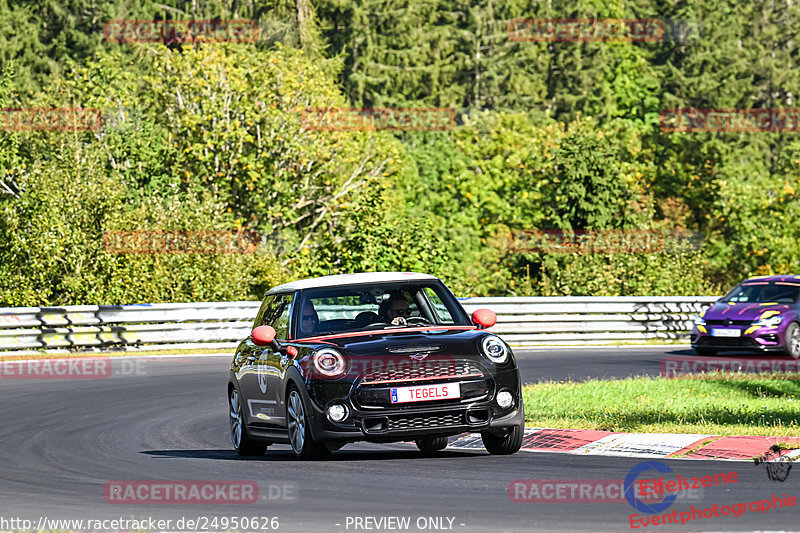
(771, 322)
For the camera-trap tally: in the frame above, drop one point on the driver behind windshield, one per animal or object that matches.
(395, 306)
(308, 319)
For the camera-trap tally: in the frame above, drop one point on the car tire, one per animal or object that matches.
(431, 445)
(299, 431)
(792, 348)
(509, 443)
(705, 351)
(242, 442)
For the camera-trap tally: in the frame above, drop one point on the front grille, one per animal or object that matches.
(422, 371)
(728, 342)
(727, 322)
(403, 423)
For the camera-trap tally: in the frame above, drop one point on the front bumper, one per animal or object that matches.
(372, 417)
(761, 340)
(409, 424)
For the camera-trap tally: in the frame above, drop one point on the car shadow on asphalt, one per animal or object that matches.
(286, 455)
(681, 351)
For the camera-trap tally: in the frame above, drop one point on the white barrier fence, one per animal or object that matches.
(591, 319)
(522, 321)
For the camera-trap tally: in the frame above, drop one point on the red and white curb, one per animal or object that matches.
(646, 445)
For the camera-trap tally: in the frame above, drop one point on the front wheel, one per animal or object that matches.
(793, 341)
(303, 444)
(242, 442)
(508, 443)
(431, 445)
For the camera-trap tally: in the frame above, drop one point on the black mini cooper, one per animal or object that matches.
(379, 357)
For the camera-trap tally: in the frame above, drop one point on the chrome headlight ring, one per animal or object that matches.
(494, 349)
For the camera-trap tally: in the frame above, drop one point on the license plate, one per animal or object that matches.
(426, 393)
(726, 333)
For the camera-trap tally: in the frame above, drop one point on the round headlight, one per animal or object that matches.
(328, 362)
(494, 349)
(504, 399)
(337, 412)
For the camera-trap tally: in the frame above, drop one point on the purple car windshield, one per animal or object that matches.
(783, 293)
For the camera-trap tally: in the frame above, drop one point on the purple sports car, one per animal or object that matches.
(760, 313)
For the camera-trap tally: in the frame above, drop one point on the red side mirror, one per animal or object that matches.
(484, 318)
(263, 335)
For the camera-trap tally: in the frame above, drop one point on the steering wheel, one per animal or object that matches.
(367, 318)
(418, 319)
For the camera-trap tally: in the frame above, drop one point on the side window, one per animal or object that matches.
(278, 315)
(263, 310)
(443, 316)
(282, 322)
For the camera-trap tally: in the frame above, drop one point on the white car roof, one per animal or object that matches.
(350, 279)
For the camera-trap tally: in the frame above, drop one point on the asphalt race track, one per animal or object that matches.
(63, 440)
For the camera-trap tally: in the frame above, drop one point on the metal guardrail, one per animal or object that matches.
(521, 321)
(528, 321)
(155, 326)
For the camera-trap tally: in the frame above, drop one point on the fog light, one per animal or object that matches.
(337, 412)
(504, 399)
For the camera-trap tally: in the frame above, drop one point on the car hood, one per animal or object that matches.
(405, 343)
(742, 311)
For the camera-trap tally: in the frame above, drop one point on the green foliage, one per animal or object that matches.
(211, 139)
(587, 189)
(549, 135)
(53, 251)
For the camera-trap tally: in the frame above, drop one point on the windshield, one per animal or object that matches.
(374, 307)
(764, 292)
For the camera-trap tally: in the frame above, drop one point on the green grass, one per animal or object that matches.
(718, 404)
(645, 342)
